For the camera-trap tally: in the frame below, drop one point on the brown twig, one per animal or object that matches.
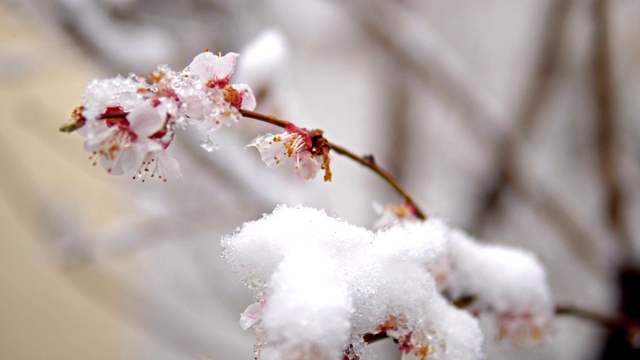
(265, 118)
(366, 161)
(371, 338)
(610, 321)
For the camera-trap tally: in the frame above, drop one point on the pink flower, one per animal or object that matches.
(308, 150)
(209, 100)
(412, 344)
(510, 282)
(129, 143)
(207, 67)
(128, 123)
(521, 329)
(117, 92)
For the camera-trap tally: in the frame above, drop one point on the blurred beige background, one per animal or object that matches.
(42, 313)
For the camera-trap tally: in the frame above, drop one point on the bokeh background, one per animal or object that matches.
(515, 120)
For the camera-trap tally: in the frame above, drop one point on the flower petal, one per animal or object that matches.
(307, 167)
(248, 99)
(251, 315)
(145, 120)
(169, 163)
(271, 148)
(207, 66)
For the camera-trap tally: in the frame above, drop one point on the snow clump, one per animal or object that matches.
(321, 284)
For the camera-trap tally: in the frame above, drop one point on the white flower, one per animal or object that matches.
(207, 67)
(130, 122)
(510, 282)
(295, 144)
(133, 142)
(208, 99)
(117, 92)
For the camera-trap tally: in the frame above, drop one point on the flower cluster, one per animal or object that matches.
(322, 284)
(129, 122)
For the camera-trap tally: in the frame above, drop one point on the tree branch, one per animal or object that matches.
(610, 321)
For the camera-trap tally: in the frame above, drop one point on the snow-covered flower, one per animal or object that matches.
(319, 295)
(510, 282)
(322, 293)
(119, 92)
(209, 100)
(446, 332)
(129, 122)
(133, 142)
(307, 149)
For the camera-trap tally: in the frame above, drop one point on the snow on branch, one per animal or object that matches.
(322, 284)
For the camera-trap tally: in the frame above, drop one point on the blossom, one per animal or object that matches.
(207, 67)
(323, 293)
(117, 92)
(131, 142)
(129, 122)
(209, 100)
(510, 282)
(308, 150)
(521, 328)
